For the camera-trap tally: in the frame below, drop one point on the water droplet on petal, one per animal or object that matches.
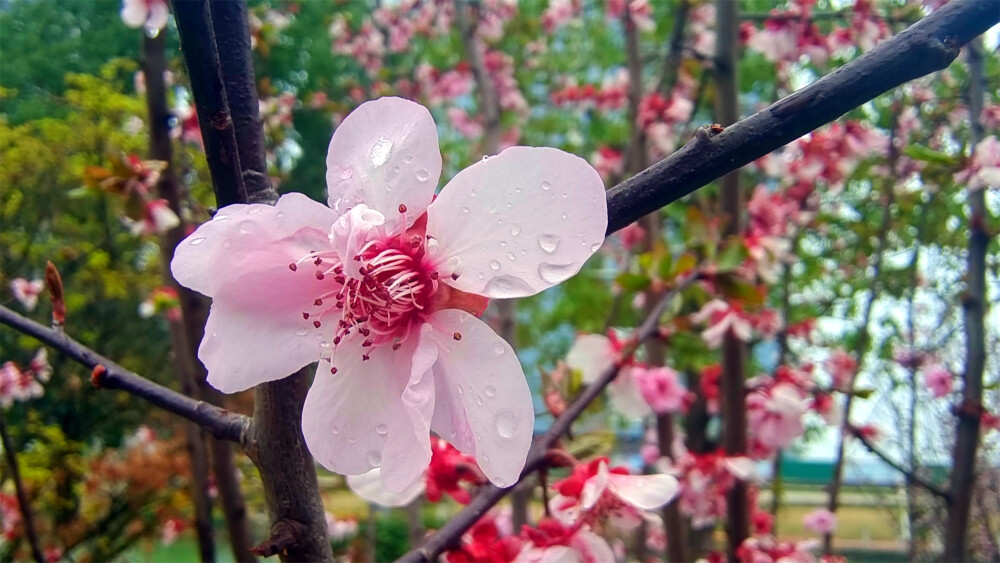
(374, 458)
(486, 157)
(564, 216)
(352, 439)
(499, 349)
(507, 422)
(381, 429)
(281, 214)
(460, 392)
(423, 175)
(548, 243)
(511, 256)
(556, 273)
(197, 241)
(335, 430)
(465, 210)
(247, 227)
(380, 152)
(494, 264)
(515, 230)
(479, 401)
(347, 174)
(500, 482)
(546, 186)
(490, 390)
(481, 276)
(506, 287)
(595, 246)
(302, 331)
(408, 158)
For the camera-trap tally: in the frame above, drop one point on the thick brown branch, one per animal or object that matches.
(538, 457)
(910, 474)
(222, 424)
(930, 45)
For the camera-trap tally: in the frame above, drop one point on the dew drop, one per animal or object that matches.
(347, 174)
(423, 175)
(548, 243)
(556, 273)
(352, 439)
(197, 241)
(479, 401)
(481, 276)
(511, 256)
(503, 244)
(499, 349)
(500, 483)
(281, 214)
(546, 186)
(324, 344)
(381, 429)
(595, 246)
(247, 227)
(494, 264)
(515, 230)
(490, 390)
(486, 157)
(335, 430)
(506, 422)
(465, 210)
(564, 216)
(460, 392)
(374, 458)
(380, 152)
(302, 331)
(255, 209)
(506, 287)
(408, 158)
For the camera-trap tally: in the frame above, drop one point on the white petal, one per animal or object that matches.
(483, 403)
(134, 13)
(350, 417)
(592, 548)
(385, 153)
(246, 238)
(594, 487)
(626, 397)
(591, 354)
(369, 487)
(519, 222)
(645, 492)
(158, 14)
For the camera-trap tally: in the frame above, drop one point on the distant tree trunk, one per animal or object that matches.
(734, 352)
(154, 66)
(963, 475)
(194, 310)
(27, 516)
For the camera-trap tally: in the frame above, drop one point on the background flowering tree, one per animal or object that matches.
(833, 293)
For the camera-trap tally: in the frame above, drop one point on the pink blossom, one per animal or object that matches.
(17, 385)
(983, 170)
(552, 541)
(939, 380)
(842, 368)
(821, 521)
(592, 354)
(558, 13)
(608, 162)
(632, 235)
(157, 219)
(705, 479)
(10, 516)
(171, 531)
(382, 286)
(27, 292)
(340, 530)
(150, 14)
(775, 415)
(468, 128)
(722, 317)
(661, 389)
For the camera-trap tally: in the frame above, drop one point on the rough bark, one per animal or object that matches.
(963, 474)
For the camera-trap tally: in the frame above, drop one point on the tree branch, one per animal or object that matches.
(194, 24)
(930, 45)
(910, 474)
(489, 495)
(223, 424)
(22, 496)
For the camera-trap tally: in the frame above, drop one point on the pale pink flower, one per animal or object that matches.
(632, 235)
(27, 292)
(380, 286)
(171, 531)
(558, 13)
(150, 14)
(340, 529)
(775, 416)
(661, 388)
(842, 368)
(157, 219)
(466, 127)
(39, 365)
(983, 170)
(938, 380)
(592, 354)
(821, 521)
(607, 161)
(722, 317)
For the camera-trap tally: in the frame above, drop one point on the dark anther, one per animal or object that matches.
(319, 275)
(318, 302)
(457, 336)
(397, 345)
(317, 324)
(293, 267)
(333, 370)
(402, 208)
(305, 316)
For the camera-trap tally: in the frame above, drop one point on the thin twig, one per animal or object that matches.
(930, 45)
(489, 495)
(220, 422)
(22, 496)
(910, 474)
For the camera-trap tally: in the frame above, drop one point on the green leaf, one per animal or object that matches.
(732, 255)
(919, 152)
(633, 282)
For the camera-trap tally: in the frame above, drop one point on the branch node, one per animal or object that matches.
(97, 376)
(285, 534)
(221, 120)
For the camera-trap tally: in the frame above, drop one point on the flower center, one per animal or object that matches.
(391, 292)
